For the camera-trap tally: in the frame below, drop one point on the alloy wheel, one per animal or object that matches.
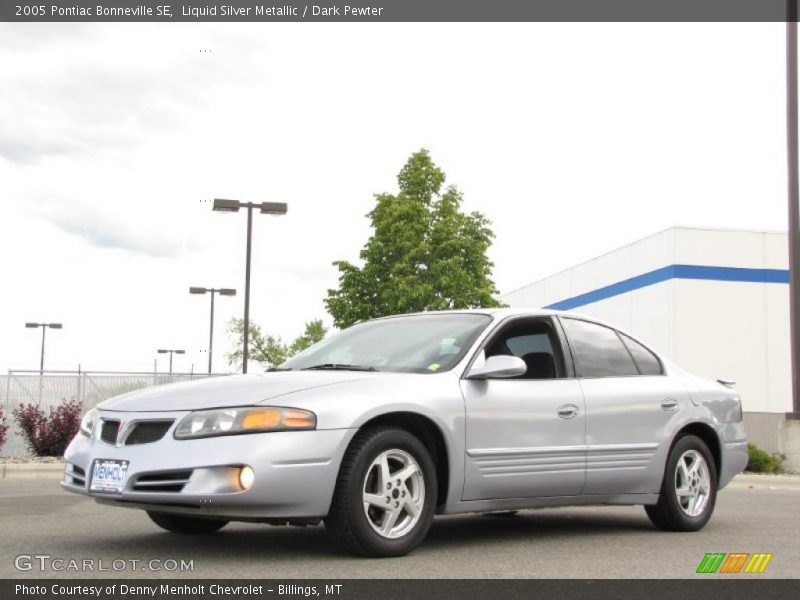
(692, 483)
(393, 493)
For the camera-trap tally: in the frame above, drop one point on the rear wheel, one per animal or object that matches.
(385, 494)
(185, 525)
(689, 490)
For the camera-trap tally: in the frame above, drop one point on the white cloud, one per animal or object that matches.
(102, 227)
(101, 89)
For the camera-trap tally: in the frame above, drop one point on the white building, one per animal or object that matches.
(714, 301)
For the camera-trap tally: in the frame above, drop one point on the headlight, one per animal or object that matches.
(87, 423)
(250, 419)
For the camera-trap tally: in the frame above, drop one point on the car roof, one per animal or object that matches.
(502, 313)
(495, 312)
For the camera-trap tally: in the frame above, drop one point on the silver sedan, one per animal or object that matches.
(379, 427)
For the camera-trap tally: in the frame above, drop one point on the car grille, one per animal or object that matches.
(109, 431)
(147, 432)
(164, 481)
(140, 432)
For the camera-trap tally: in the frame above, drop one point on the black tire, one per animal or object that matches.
(186, 525)
(347, 522)
(668, 514)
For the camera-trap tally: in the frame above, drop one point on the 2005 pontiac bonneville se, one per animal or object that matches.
(380, 426)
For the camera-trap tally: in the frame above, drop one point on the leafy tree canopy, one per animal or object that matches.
(268, 350)
(424, 253)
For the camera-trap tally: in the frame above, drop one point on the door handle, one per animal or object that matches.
(567, 411)
(669, 404)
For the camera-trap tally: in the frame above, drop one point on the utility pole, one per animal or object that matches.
(789, 432)
(794, 202)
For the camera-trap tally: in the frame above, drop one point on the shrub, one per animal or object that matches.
(49, 435)
(3, 428)
(759, 461)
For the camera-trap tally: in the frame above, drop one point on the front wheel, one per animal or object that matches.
(186, 525)
(689, 490)
(385, 494)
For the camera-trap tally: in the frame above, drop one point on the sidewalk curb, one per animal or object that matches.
(760, 481)
(52, 471)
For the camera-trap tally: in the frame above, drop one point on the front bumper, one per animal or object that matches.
(295, 471)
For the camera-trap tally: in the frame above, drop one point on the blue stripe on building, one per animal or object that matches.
(698, 272)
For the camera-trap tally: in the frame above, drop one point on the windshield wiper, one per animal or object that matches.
(272, 369)
(338, 367)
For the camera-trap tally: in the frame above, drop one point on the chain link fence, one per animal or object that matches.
(51, 388)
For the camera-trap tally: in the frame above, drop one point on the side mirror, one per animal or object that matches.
(500, 366)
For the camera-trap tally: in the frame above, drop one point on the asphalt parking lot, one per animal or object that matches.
(37, 518)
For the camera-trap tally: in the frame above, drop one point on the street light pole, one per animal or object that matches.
(171, 352)
(266, 208)
(246, 341)
(210, 335)
(212, 291)
(44, 327)
(41, 355)
(794, 202)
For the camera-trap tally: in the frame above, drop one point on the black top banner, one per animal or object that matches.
(143, 11)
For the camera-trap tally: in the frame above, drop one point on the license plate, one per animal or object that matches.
(109, 475)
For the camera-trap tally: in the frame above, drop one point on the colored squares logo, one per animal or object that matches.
(735, 562)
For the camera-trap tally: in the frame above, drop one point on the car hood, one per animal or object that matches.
(234, 390)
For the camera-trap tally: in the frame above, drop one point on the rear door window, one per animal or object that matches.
(646, 361)
(598, 350)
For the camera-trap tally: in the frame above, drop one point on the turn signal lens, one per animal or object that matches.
(298, 419)
(269, 418)
(246, 477)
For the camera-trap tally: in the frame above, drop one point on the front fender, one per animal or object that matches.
(436, 397)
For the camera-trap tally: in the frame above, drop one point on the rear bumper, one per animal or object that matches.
(734, 460)
(295, 473)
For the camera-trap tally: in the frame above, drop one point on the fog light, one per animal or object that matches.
(246, 477)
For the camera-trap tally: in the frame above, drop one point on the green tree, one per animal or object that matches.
(424, 253)
(270, 350)
(313, 333)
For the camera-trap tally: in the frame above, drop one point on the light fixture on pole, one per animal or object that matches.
(44, 327)
(212, 291)
(265, 208)
(171, 352)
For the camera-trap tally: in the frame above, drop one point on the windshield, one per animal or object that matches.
(415, 343)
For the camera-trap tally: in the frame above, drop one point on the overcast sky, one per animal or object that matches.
(573, 139)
